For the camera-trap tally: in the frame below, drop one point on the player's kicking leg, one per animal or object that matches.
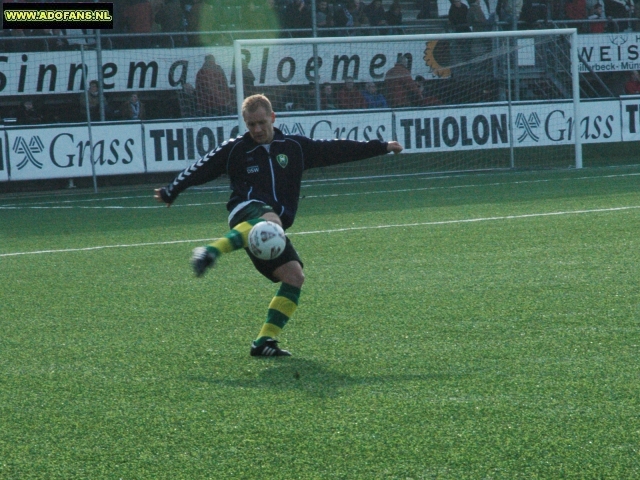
(204, 258)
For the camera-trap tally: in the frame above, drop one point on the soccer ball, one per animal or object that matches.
(266, 240)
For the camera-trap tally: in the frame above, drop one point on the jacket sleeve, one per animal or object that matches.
(208, 168)
(323, 153)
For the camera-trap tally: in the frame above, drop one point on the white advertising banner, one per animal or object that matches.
(154, 69)
(352, 126)
(4, 161)
(630, 111)
(171, 147)
(174, 146)
(613, 52)
(38, 73)
(64, 151)
(600, 121)
(487, 126)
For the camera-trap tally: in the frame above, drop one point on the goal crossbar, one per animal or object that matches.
(568, 33)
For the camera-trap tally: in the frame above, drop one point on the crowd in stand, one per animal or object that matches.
(588, 16)
(199, 22)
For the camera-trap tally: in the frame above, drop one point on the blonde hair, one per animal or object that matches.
(254, 102)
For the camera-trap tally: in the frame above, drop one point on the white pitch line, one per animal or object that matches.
(347, 229)
(104, 207)
(69, 204)
(104, 247)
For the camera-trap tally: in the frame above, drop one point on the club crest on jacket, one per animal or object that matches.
(282, 160)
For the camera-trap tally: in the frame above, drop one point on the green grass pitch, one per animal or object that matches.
(478, 326)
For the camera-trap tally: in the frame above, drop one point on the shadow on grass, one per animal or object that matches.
(307, 376)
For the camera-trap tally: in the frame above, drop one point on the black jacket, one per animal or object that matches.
(273, 176)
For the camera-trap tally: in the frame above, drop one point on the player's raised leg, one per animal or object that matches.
(204, 258)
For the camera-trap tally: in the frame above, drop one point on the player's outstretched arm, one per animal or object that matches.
(394, 147)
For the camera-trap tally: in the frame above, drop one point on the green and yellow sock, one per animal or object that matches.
(235, 239)
(280, 311)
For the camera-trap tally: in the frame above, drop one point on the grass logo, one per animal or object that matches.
(297, 129)
(527, 125)
(34, 146)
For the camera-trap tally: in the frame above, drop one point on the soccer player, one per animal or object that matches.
(265, 171)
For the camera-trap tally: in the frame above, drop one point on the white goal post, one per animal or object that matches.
(488, 100)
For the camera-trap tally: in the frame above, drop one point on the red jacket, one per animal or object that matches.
(576, 9)
(632, 87)
(400, 89)
(350, 99)
(212, 88)
(139, 17)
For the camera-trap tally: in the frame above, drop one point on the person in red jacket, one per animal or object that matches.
(401, 90)
(632, 87)
(349, 96)
(138, 19)
(598, 14)
(212, 89)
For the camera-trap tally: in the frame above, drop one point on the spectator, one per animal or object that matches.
(212, 89)
(394, 18)
(133, 109)
(635, 14)
(401, 90)
(28, 115)
(619, 9)
(632, 87)
(56, 40)
(576, 10)
(357, 10)
(14, 45)
(509, 11)
(201, 18)
(428, 95)
(597, 14)
(478, 23)
(94, 102)
(351, 15)
(476, 18)
(77, 38)
(298, 16)
(138, 19)
(324, 16)
(248, 78)
(308, 100)
(327, 100)
(458, 16)
(171, 19)
(424, 9)
(591, 7)
(374, 98)
(376, 15)
(534, 11)
(349, 97)
(626, 9)
(187, 101)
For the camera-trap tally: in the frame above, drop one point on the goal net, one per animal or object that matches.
(457, 102)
